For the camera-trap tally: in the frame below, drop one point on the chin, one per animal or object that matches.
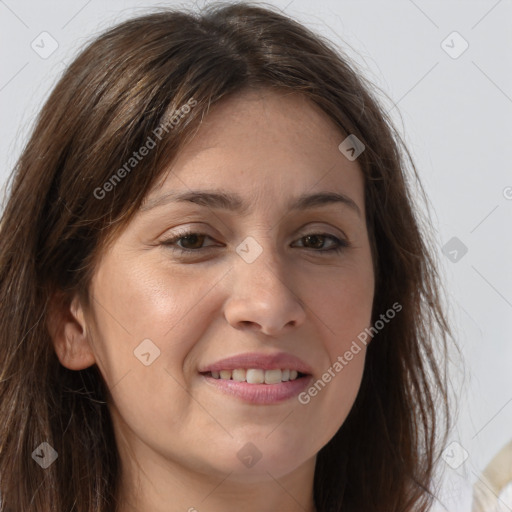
(262, 457)
(266, 469)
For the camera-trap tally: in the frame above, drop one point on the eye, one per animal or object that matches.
(188, 242)
(317, 240)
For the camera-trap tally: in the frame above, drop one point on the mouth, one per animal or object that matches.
(262, 379)
(258, 387)
(257, 375)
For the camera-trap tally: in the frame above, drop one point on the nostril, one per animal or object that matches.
(248, 323)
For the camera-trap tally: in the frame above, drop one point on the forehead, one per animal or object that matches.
(267, 146)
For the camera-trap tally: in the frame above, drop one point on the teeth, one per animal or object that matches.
(273, 376)
(256, 375)
(225, 374)
(239, 375)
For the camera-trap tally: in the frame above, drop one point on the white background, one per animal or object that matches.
(456, 117)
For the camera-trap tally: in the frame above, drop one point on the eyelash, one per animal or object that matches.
(340, 244)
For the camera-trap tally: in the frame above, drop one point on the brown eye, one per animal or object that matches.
(187, 242)
(192, 241)
(316, 241)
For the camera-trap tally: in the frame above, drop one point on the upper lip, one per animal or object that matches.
(255, 360)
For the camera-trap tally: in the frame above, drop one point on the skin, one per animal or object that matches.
(178, 438)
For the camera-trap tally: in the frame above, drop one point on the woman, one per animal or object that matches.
(214, 284)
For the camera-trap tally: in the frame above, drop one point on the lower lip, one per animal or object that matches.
(260, 393)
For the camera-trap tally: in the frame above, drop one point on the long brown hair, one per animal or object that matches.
(115, 94)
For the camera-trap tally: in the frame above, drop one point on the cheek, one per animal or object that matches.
(336, 391)
(135, 303)
(147, 320)
(344, 304)
(328, 400)
(344, 308)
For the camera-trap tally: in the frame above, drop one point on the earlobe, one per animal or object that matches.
(68, 331)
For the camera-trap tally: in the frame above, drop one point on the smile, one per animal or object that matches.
(256, 375)
(257, 386)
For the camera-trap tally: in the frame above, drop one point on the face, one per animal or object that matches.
(192, 282)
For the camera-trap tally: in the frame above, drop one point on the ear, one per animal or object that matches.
(68, 331)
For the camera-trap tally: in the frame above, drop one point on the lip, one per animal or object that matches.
(262, 394)
(278, 360)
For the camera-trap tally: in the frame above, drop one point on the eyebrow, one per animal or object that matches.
(234, 203)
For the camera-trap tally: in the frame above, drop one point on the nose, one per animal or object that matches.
(262, 297)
